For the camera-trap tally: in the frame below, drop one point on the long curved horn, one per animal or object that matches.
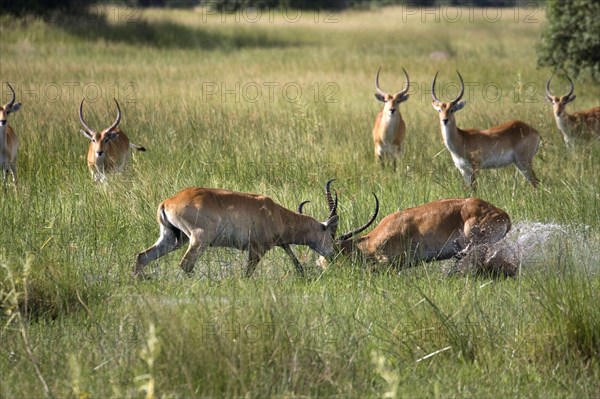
(363, 227)
(332, 202)
(433, 88)
(406, 84)
(462, 90)
(548, 94)
(379, 91)
(116, 122)
(13, 98)
(301, 206)
(333, 211)
(572, 88)
(81, 117)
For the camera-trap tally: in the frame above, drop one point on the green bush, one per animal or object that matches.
(570, 39)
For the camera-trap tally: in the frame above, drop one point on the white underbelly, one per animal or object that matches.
(497, 160)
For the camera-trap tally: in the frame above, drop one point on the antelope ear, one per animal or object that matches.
(572, 98)
(403, 98)
(86, 134)
(459, 105)
(379, 97)
(112, 136)
(549, 99)
(14, 108)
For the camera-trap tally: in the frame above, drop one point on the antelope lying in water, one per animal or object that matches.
(434, 231)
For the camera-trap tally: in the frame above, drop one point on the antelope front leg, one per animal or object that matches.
(195, 249)
(468, 175)
(254, 255)
(294, 259)
(13, 171)
(166, 243)
(528, 173)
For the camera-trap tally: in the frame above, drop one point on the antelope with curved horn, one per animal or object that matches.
(389, 129)
(210, 217)
(513, 142)
(109, 150)
(9, 142)
(434, 231)
(582, 124)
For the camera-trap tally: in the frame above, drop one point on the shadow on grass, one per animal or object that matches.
(167, 34)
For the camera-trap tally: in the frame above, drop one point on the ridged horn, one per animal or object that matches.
(13, 97)
(406, 84)
(301, 206)
(363, 227)
(462, 90)
(433, 88)
(332, 202)
(86, 127)
(116, 122)
(379, 91)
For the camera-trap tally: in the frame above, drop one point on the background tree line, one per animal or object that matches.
(76, 6)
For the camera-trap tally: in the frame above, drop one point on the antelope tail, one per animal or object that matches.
(137, 147)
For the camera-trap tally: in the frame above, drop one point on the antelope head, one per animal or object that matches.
(100, 141)
(559, 104)
(391, 101)
(446, 110)
(9, 107)
(332, 203)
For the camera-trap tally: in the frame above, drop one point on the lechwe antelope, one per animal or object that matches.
(210, 217)
(434, 231)
(9, 142)
(513, 142)
(389, 129)
(109, 150)
(584, 124)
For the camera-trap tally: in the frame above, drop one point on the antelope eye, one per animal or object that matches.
(93, 140)
(106, 140)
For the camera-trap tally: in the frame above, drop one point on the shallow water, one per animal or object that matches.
(536, 243)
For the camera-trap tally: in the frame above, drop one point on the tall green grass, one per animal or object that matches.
(67, 246)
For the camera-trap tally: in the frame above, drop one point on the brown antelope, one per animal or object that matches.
(210, 217)
(513, 142)
(389, 129)
(9, 142)
(109, 150)
(583, 124)
(435, 231)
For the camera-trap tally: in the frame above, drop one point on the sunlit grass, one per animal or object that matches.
(208, 100)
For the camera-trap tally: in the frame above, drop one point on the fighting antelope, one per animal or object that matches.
(513, 142)
(210, 217)
(9, 142)
(389, 129)
(109, 150)
(434, 231)
(583, 124)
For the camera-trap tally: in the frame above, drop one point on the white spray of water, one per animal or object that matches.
(535, 243)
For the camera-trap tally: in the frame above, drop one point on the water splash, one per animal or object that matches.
(534, 244)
